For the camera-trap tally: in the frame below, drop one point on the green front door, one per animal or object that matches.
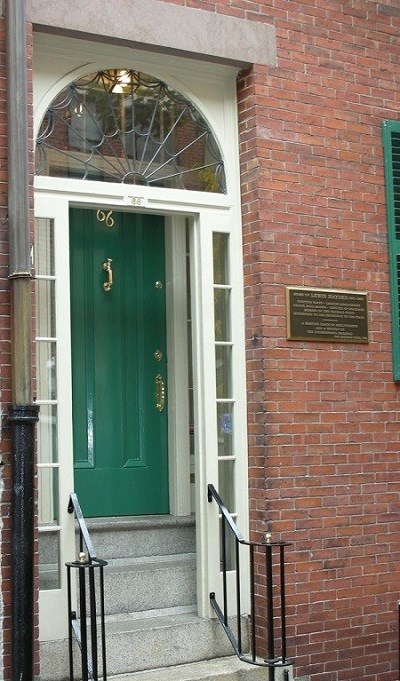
(119, 362)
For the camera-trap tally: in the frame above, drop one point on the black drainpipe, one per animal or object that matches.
(23, 414)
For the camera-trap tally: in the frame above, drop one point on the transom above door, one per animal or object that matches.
(119, 362)
(121, 125)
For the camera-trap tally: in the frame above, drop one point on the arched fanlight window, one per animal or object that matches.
(125, 126)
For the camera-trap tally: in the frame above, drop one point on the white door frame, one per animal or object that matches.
(213, 92)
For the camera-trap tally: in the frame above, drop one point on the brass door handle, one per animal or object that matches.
(160, 393)
(107, 267)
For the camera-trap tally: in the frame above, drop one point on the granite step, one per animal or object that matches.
(148, 640)
(150, 582)
(135, 537)
(220, 669)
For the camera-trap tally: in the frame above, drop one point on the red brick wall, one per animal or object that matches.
(324, 417)
(5, 351)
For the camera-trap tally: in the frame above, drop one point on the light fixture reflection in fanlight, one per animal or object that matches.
(78, 110)
(123, 79)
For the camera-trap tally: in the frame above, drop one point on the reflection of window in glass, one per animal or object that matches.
(44, 247)
(222, 313)
(45, 298)
(47, 434)
(230, 547)
(46, 391)
(223, 365)
(84, 126)
(49, 560)
(221, 263)
(46, 375)
(48, 495)
(225, 428)
(125, 126)
(226, 472)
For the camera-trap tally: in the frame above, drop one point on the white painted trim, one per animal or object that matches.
(55, 601)
(205, 401)
(178, 409)
(132, 197)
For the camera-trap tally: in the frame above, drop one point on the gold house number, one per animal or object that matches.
(105, 217)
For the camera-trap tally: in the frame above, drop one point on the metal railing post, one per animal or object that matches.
(276, 650)
(88, 602)
(82, 619)
(71, 614)
(270, 611)
(225, 594)
(93, 623)
(252, 605)
(238, 597)
(283, 601)
(102, 624)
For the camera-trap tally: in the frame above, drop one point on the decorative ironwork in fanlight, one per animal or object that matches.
(125, 126)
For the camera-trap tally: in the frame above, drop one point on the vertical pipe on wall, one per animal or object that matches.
(18, 154)
(22, 413)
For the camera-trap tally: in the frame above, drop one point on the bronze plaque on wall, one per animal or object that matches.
(326, 315)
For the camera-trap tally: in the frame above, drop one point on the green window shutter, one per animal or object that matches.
(391, 147)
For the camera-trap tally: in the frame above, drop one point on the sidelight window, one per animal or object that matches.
(225, 406)
(46, 390)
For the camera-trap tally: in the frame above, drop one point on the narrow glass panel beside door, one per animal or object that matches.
(223, 372)
(46, 392)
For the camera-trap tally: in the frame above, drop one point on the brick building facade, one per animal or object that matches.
(322, 417)
(323, 453)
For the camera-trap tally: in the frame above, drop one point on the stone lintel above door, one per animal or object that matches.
(160, 26)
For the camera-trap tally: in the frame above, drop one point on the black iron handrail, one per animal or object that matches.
(276, 602)
(86, 566)
(84, 536)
